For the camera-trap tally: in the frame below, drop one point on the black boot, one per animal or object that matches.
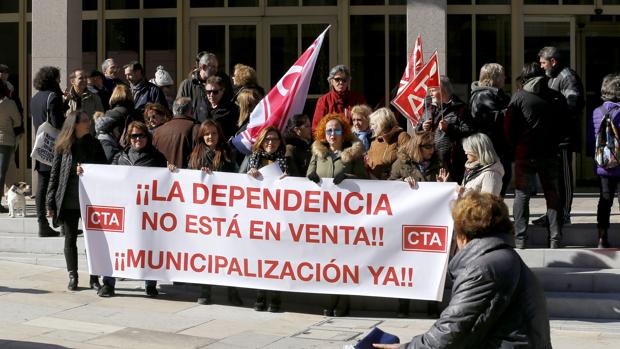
(275, 302)
(261, 301)
(205, 295)
(94, 282)
(46, 231)
(403, 308)
(602, 238)
(233, 297)
(342, 309)
(72, 267)
(333, 301)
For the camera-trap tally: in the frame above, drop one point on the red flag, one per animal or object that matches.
(414, 65)
(286, 99)
(410, 101)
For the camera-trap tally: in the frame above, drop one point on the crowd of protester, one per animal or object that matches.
(109, 119)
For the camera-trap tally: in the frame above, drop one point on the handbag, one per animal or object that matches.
(43, 148)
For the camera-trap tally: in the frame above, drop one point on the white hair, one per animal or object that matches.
(480, 145)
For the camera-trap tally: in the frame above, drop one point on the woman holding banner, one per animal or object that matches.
(211, 153)
(497, 301)
(388, 136)
(74, 146)
(268, 149)
(417, 161)
(336, 153)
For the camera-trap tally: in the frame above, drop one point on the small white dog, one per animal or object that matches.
(16, 198)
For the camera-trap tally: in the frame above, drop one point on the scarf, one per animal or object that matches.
(258, 156)
(472, 170)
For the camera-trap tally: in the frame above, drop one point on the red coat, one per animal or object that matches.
(332, 102)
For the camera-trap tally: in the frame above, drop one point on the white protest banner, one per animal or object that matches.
(361, 237)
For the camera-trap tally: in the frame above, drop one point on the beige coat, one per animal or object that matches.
(489, 181)
(9, 118)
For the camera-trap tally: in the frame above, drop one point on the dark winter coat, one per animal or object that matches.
(109, 128)
(332, 102)
(569, 84)
(298, 154)
(496, 302)
(146, 92)
(382, 151)
(597, 116)
(405, 166)
(194, 88)
(145, 157)
(487, 106)
(533, 126)
(39, 109)
(327, 165)
(86, 150)
(175, 139)
(226, 115)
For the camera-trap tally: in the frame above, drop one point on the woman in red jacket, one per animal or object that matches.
(339, 99)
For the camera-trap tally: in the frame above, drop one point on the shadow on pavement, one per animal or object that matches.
(22, 290)
(29, 345)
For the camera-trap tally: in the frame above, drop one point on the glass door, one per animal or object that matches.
(549, 31)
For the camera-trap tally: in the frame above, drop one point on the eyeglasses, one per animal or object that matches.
(427, 146)
(340, 80)
(137, 135)
(272, 139)
(213, 92)
(333, 131)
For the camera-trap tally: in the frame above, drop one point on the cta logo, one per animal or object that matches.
(425, 238)
(105, 218)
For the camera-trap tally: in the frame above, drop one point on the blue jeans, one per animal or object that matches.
(6, 152)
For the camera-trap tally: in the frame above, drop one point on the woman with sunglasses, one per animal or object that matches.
(139, 152)
(339, 99)
(417, 161)
(269, 148)
(223, 111)
(74, 146)
(336, 153)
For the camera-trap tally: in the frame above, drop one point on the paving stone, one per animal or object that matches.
(250, 339)
(15, 312)
(79, 326)
(140, 338)
(350, 323)
(301, 343)
(331, 335)
(17, 331)
(220, 329)
(69, 335)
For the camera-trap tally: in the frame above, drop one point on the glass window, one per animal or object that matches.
(309, 32)
(398, 2)
(242, 3)
(206, 3)
(494, 2)
(122, 4)
(368, 57)
(160, 46)
(29, 5)
(283, 50)
(319, 3)
(493, 44)
(611, 2)
(89, 45)
(367, 2)
(242, 46)
(160, 4)
(398, 49)
(9, 55)
(459, 2)
(122, 40)
(539, 2)
(89, 5)
(282, 2)
(578, 2)
(459, 54)
(9, 6)
(212, 38)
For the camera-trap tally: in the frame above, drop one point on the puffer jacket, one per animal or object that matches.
(567, 82)
(533, 124)
(90, 151)
(597, 117)
(487, 179)
(496, 302)
(145, 157)
(405, 166)
(487, 106)
(145, 92)
(112, 121)
(382, 151)
(348, 162)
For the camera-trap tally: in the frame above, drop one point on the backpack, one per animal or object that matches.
(607, 149)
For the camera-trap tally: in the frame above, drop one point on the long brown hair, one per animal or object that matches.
(248, 99)
(261, 138)
(198, 158)
(67, 133)
(411, 148)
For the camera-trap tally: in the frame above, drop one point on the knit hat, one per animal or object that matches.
(162, 77)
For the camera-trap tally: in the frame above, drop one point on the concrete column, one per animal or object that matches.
(429, 19)
(57, 36)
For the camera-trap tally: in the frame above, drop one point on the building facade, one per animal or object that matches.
(370, 36)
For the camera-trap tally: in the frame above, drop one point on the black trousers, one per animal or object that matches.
(565, 180)
(608, 188)
(70, 219)
(43, 182)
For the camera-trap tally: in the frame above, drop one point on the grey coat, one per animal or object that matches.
(496, 302)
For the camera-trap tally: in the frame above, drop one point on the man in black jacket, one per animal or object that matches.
(46, 105)
(566, 81)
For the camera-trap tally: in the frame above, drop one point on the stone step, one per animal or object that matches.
(32, 244)
(576, 234)
(597, 258)
(591, 280)
(583, 305)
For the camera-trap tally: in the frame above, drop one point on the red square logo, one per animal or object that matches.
(425, 238)
(105, 218)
